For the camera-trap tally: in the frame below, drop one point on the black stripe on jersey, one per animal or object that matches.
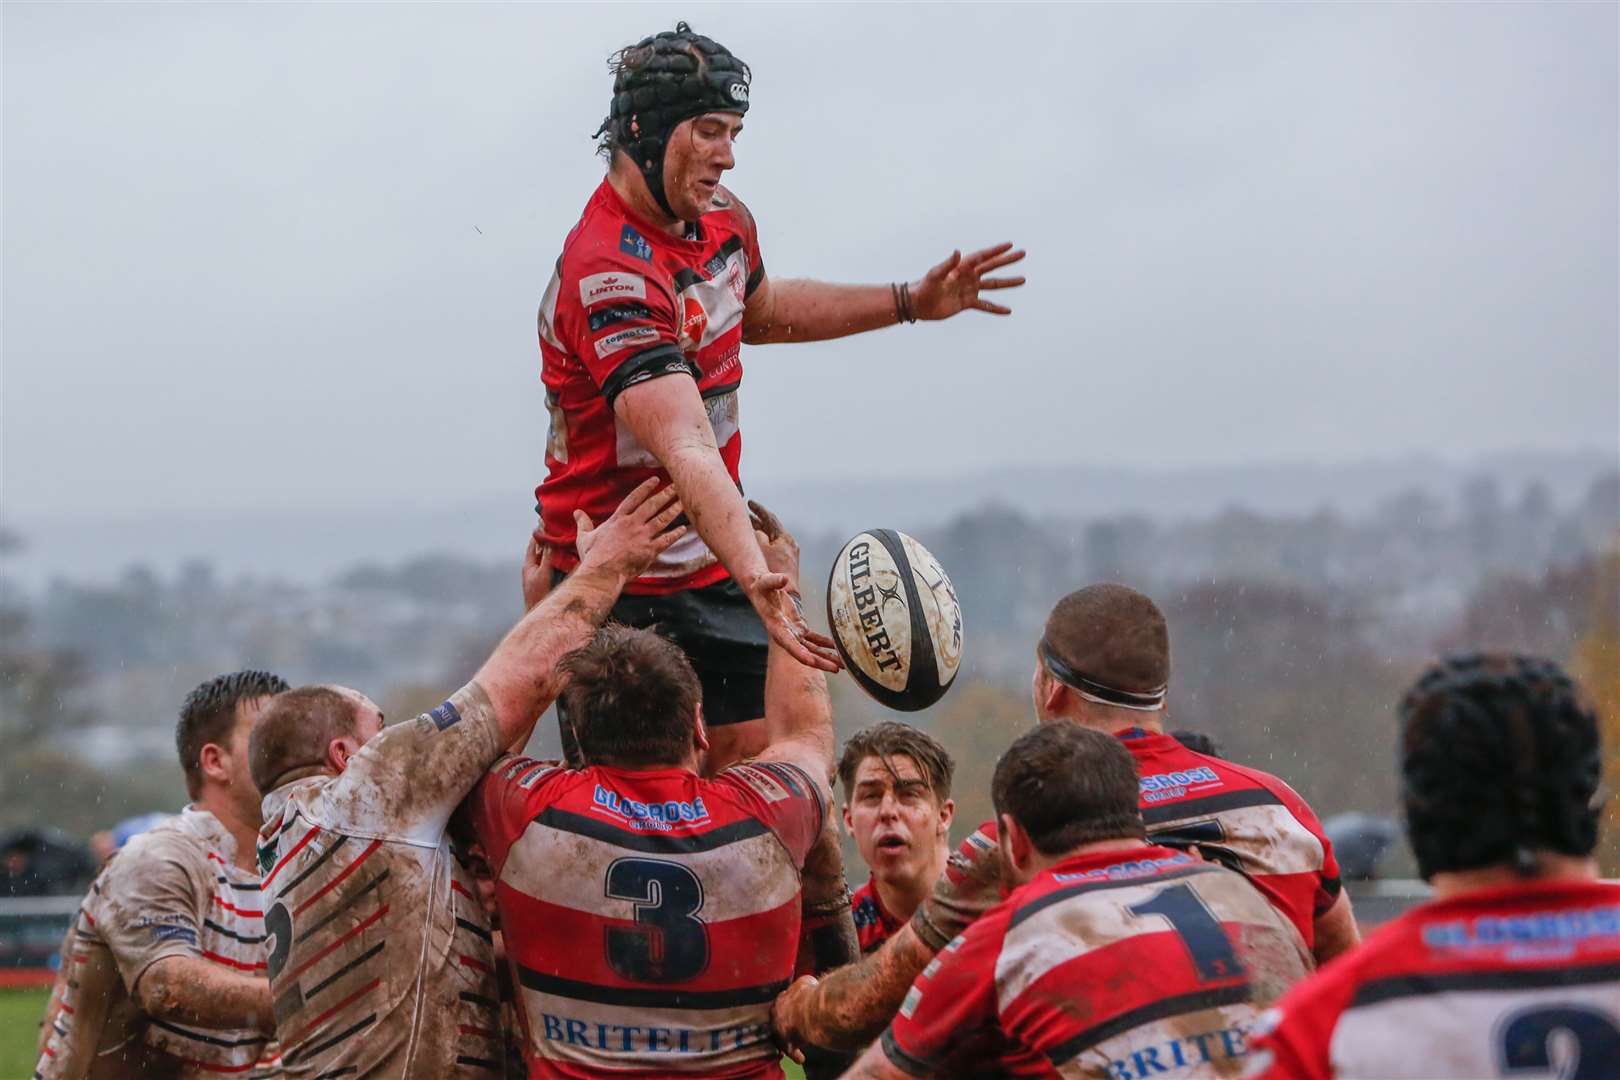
(1150, 1013)
(1034, 907)
(477, 1063)
(299, 1055)
(326, 919)
(652, 843)
(246, 939)
(211, 1040)
(618, 313)
(911, 1066)
(797, 781)
(686, 277)
(480, 999)
(754, 280)
(1209, 804)
(312, 867)
(637, 998)
(1419, 984)
(240, 886)
(476, 930)
(662, 359)
(720, 391)
(344, 970)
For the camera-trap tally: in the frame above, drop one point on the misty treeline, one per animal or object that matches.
(1292, 637)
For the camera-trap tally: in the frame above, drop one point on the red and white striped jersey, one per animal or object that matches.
(1113, 965)
(1518, 981)
(1244, 818)
(172, 891)
(873, 923)
(650, 916)
(381, 960)
(629, 302)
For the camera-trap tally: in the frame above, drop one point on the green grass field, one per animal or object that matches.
(20, 1012)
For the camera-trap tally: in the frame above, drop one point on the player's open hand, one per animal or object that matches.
(781, 550)
(776, 597)
(634, 536)
(955, 284)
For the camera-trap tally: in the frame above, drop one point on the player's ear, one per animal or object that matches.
(339, 751)
(947, 812)
(849, 822)
(1016, 848)
(213, 761)
(700, 734)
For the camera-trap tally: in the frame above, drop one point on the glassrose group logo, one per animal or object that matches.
(641, 815)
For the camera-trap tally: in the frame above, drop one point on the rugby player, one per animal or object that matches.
(381, 959)
(652, 914)
(897, 787)
(1104, 662)
(1513, 968)
(163, 971)
(1113, 958)
(641, 327)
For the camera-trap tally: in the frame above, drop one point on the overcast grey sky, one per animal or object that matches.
(271, 255)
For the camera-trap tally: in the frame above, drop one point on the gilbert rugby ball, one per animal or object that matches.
(895, 619)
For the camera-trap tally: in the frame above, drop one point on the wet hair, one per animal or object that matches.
(295, 730)
(890, 737)
(630, 697)
(1109, 640)
(1068, 785)
(1499, 758)
(209, 713)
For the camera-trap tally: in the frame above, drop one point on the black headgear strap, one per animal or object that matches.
(1101, 693)
(663, 80)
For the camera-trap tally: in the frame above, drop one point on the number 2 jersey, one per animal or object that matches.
(628, 303)
(1113, 965)
(1522, 980)
(650, 916)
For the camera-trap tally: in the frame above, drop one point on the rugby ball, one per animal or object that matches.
(895, 619)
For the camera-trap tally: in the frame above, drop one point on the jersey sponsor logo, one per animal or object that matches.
(631, 1039)
(694, 320)
(1172, 785)
(633, 243)
(618, 342)
(764, 784)
(641, 815)
(444, 716)
(168, 928)
(618, 313)
(1119, 871)
(1155, 1059)
(595, 288)
(1559, 930)
(912, 1000)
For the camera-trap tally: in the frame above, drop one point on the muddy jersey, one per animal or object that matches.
(172, 891)
(628, 303)
(651, 916)
(1518, 981)
(1243, 818)
(873, 923)
(381, 960)
(1113, 966)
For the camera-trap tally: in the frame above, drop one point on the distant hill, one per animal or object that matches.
(310, 543)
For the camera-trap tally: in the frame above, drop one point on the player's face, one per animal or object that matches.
(698, 153)
(897, 822)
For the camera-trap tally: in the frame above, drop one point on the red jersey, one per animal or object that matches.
(1114, 965)
(651, 916)
(873, 923)
(629, 302)
(1521, 979)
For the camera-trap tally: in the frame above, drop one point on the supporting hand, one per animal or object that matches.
(635, 535)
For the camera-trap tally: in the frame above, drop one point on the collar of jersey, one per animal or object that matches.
(653, 234)
(661, 773)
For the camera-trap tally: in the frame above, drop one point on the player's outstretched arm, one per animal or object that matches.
(847, 1009)
(667, 416)
(191, 990)
(804, 310)
(520, 677)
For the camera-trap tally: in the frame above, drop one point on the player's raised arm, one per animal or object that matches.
(667, 416)
(804, 310)
(521, 677)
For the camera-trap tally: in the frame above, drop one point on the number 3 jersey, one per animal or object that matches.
(1113, 965)
(1518, 981)
(650, 916)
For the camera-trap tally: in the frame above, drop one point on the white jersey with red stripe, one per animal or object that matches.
(381, 960)
(172, 891)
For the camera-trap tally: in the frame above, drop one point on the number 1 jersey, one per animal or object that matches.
(650, 916)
